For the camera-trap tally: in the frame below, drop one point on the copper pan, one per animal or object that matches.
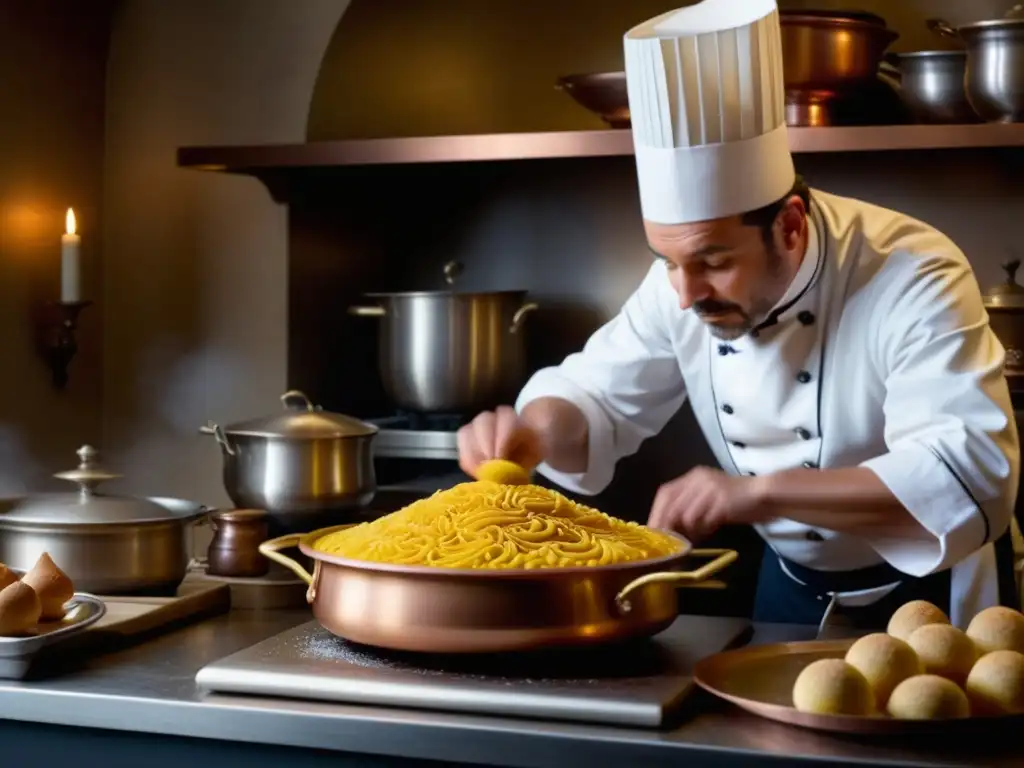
(455, 610)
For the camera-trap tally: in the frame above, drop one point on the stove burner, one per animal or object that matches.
(635, 659)
(421, 422)
(411, 435)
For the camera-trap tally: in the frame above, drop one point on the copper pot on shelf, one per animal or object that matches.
(1005, 306)
(829, 56)
(454, 610)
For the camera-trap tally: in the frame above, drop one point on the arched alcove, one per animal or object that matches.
(451, 67)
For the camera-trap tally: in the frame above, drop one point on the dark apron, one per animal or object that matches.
(782, 600)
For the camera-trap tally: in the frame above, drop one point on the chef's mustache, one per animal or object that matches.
(712, 307)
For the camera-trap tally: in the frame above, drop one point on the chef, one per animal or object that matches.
(837, 355)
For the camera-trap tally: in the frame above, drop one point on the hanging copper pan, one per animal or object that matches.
(450, 610)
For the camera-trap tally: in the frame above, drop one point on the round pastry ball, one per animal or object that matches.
(20, 609)
(944, 650)
(995, 685)
(885, 661)
(928, 697)
(832, 687)
(52, 585)
(7, 576)
(997, 629)
(910, 616)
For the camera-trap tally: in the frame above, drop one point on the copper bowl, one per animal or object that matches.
(829, 56)
(456, 610)
(603, 93)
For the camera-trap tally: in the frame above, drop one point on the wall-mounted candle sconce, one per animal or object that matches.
(59, 320)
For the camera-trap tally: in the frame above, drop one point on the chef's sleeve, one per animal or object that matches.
(626, 381)
(953, 457)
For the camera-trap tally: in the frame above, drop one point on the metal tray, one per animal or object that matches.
(17, 653)
(759, 679)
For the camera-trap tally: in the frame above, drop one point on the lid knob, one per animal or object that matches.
(294, 400)
(89, 474)
(451, 271)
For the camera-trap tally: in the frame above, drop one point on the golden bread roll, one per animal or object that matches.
(997, 629)
(910, 616)
(928, 697)
(944, 650)
(996, 684)
(832, 687)
(7, 576)
(885, 661)
(20, 609)
(52, 585)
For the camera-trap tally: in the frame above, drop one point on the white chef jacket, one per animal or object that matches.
(881, 356)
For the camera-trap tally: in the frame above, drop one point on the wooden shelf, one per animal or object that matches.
(565, 144)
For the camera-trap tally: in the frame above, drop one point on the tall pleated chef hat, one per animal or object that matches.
(707, 107)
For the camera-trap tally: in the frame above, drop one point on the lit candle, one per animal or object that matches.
(70, 266)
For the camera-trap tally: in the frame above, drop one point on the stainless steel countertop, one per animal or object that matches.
(150, 688)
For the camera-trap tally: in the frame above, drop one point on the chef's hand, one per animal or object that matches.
(498, 434)
(703, 500)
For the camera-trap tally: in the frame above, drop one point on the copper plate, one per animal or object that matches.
(759, 679)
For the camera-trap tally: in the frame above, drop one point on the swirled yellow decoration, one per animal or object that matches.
(490, 525)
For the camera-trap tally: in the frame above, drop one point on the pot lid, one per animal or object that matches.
(1009, 294)
(935, 54)
(822, 14)
(86, 506)
(303, 420)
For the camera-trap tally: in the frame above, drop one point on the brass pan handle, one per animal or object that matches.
(697, 578)
(269, 549)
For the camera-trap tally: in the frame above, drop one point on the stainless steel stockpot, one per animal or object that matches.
(298, 464)
(106, 544)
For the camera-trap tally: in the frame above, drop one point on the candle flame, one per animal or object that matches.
(69, 222)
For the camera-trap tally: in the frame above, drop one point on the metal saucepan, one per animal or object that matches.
(1005, 306)
(449, 351)
(299, 464)
(995, 66)
(455, 610)
(932, 86)
(106, 544)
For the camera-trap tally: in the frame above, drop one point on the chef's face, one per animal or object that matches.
(729, 272)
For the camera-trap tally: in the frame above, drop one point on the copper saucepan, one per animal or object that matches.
(458, 610)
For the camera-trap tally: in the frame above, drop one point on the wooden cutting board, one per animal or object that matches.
(132, 620)
(128, 617)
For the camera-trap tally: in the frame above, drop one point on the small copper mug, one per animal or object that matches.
(237, 535)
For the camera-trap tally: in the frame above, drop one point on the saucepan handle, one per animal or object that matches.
(367, 311)
(942, 27)
(520, 315)
(271, 550)
(212, 428)
(697, 578)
